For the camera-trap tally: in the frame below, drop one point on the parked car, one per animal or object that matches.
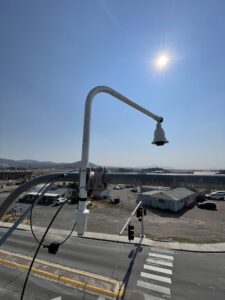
(121, 186)
(60, 200)
(134, 190)
(217, 195)
(207, 205)
(117, 187)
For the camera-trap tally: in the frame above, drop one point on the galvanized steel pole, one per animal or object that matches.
(82, 211)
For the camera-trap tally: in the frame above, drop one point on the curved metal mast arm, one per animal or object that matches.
(87, 116)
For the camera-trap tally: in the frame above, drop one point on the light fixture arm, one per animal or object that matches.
(82, 211)
(87, 121)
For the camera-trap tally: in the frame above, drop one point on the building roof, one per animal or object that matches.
(50, 193)
(179, 193)
(174, 194)
(46, 194)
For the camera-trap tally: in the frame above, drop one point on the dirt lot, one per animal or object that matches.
(194, 225)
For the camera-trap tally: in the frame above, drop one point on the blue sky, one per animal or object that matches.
(53, 52)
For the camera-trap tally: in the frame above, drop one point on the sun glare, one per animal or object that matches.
(162, 61)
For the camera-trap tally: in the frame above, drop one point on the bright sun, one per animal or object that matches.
(162, 61)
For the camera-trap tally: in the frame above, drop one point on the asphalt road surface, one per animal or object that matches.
(147, 273)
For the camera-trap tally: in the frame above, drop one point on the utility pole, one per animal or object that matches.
(142, 219)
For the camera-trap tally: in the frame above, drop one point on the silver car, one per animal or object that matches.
(218, 195)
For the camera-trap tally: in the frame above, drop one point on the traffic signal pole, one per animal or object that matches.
(142, 219)
(131, 215)
(214, 181)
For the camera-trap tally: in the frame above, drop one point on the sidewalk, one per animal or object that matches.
(213, 248)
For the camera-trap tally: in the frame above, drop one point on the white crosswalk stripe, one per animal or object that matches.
(156, 277)
(150, 297)
(167, 257)
(162, 250)
(159, 262)
(153, 287)
(157, 269)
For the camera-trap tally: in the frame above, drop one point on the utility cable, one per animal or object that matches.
(31, 214)
(53, 247)
(37, 250)
(50, 182)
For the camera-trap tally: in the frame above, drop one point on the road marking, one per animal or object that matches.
(150, 297)
(153, 287)
(57, 298)
(50, 264)
(162, 250)
(161, 256)
(118, 292)
(159, 262)
(156, 277)
(157, 269)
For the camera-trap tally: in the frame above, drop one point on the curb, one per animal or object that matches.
(91, 282)
(201, 248)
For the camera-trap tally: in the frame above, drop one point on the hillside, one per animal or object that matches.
(35, 164)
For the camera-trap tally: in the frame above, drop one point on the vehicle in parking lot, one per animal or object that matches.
(207, 205)
(121, 186)
(217, 195)
(117, 187)
(60, 200)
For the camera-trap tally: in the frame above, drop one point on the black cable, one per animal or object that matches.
(38, 248)
(32, 206)
(31, 213)
(53, 247)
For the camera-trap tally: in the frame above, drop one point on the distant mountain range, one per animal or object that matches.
(35, 164)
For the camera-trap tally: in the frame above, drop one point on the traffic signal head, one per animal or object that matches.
(130, 232)
(139, 212)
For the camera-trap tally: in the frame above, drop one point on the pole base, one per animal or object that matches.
(81, 220)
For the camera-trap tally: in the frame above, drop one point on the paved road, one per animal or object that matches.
(148, 273)
(104, 258)
(37, 289)
(199, 276)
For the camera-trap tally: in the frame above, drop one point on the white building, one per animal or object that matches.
(173, 200)
(49, 197)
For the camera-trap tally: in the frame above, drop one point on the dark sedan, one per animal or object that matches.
(207, 205)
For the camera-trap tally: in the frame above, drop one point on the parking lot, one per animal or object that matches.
(193, 225)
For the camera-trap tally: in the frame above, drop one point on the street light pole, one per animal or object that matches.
(82, 211)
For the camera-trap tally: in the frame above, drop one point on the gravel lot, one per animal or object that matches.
(194, 225)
